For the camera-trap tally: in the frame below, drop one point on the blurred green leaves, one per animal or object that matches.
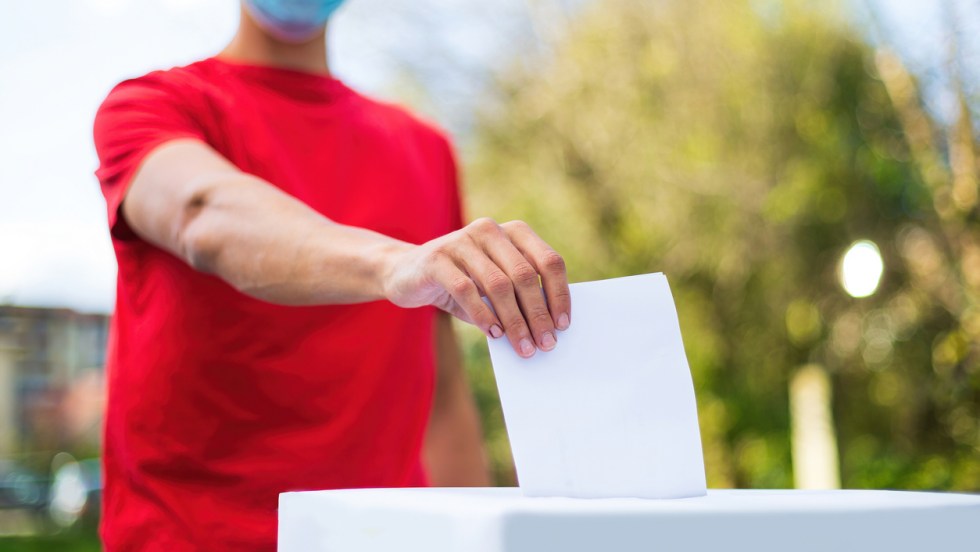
(741, 150)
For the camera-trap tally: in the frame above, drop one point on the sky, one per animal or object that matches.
(59, 58)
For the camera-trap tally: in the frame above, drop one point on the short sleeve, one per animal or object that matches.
(137, 116)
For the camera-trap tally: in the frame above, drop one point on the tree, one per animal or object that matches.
(740, 148)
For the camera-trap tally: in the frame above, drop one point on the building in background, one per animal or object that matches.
(51, 379)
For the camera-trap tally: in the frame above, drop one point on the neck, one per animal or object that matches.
(253, 45)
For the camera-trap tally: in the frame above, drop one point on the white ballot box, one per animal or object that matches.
(502, 520)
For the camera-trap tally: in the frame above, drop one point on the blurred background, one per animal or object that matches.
(804, 172)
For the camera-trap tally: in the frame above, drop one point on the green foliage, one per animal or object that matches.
(740, 147)
(71, 541)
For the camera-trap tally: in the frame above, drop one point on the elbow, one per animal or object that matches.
(197, 238)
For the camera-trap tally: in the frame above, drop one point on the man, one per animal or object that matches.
(287, 252)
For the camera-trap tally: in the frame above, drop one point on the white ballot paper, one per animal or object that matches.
(610, 412)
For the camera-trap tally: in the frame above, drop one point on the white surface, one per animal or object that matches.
(610, 412)
(501, 520)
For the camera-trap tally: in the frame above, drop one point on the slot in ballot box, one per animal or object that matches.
(503, 520)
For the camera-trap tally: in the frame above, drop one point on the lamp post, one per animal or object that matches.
(814, 439)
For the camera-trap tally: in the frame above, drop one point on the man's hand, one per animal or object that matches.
(502, 262)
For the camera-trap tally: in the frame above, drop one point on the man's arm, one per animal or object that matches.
(188, 200)
(454, 451)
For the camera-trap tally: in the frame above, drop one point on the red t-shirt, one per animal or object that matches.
(219, 402)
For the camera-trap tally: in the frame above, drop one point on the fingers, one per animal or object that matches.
(466, 295)
(510, 265)
(523, 279)
(500, 290)
(550, 265)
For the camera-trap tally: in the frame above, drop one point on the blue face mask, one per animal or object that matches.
(292, 20)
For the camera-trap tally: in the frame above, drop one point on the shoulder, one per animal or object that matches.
(184, 84)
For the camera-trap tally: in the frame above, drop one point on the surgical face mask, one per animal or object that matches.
(292, 20)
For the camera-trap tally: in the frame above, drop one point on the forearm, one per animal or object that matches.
(454, 450)
(251, 234)
(272, 246)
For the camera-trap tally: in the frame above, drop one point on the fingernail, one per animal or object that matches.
(527, 348)
(495, 331)
(563, 321)
(547, 341)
